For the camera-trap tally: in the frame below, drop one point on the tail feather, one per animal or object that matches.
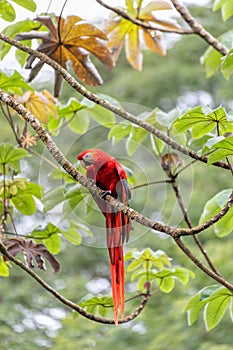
(115, 247)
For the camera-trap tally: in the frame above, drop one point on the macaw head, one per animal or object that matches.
(93, 156)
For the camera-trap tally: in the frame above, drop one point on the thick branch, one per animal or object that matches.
(140, 23)
(175, 233)
(104, 103)
(94, 190)
(67, 302)
(202, 267)
(198, 28)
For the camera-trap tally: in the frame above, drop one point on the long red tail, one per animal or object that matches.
(115, 240)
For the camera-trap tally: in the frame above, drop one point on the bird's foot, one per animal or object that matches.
(105, 193)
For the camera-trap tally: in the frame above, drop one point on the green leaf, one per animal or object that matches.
(156, 144)
(167, 284)
(147, 258)
(72, 235)
(225, 225)
(72, 107)
(16, 28)
(53, 244)
(202, 120)
(118, 132)
(49, 237)
(44, 233)
(213, 59)
(27, 4)
(198, 302)
(79, 124)
(216, 307)
(83, 228)
(4, 271)
(137, 136)
(24, 203)
(226, 8)
(224, 148)
(74, 195)
(13, 83)
(10, 157)
(227, 65)
(166, 119)
(53, 198)
(103, 116)
(217, 4)
(7, 11)
(101, 304)
(193, 308)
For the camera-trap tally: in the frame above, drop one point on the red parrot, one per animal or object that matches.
(111, 177)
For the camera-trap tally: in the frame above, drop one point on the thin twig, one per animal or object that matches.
(96, 191)
(42, 157)
(69, 303)
(199, 29)
(107, 105)
(189, 223)
(175, 233)
(150, 183)
(141, 23)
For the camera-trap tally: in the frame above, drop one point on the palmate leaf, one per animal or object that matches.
(100, 304)
(70, 39)
(202, 120)
(214, 301)
(13, 83)
(10, 157)
(121, 31)
(147, 258)
(32, 251)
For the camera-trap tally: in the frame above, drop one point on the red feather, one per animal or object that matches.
(110, 176)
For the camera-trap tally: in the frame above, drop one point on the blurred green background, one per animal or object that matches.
(31, 319)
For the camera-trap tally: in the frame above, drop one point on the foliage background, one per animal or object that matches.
(31, 319)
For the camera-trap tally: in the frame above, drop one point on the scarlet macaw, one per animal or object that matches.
(111, 177)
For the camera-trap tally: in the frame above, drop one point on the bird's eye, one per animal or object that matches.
(88, 159)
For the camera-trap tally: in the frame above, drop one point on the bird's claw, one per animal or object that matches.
(105, 193)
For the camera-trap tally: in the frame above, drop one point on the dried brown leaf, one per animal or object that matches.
(70, 39)
(32, 251)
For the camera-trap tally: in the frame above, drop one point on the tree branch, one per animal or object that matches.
(175, 233)
(189, 223)
(140, 23)
(96, 191)
(198, 28)
(201, 266)
(107, 105)
(69, 303)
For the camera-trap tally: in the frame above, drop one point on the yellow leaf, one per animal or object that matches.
(153, 42)
(40, 104)
(132, 48)
(154, 6)
(117, 38)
